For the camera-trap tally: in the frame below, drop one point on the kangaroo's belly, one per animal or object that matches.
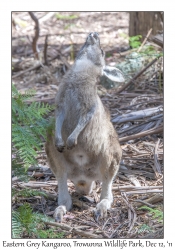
(82, 165)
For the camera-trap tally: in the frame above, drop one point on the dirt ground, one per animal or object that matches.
(140, 178)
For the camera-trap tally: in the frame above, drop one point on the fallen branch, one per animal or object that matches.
(152, 200)
(36, 184)
(145, 133)
(155, 198)
(85, 234)
(131, 212)
(61, 225)
(45, 50)
(136, 128)
(125, 188)
(73, 229)
(152, 101)
(145, 203)
(39, 64)
(156, 161)
(135, 115)
(117, 229)
(144, 191)
(158, 39)
(149, 32)
(35, 39)
(153, 122)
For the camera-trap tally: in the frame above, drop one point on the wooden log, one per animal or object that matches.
(145, 133)
(135, 115)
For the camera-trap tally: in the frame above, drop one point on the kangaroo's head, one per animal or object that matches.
(91, 58)
(92, 51)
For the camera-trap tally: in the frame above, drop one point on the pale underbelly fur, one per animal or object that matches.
(83, 171)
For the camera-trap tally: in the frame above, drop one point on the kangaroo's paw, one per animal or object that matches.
(59, 213)
(71, 142)
(100, 211)
(59, 144)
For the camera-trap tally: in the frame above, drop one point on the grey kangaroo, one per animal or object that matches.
(85, 146)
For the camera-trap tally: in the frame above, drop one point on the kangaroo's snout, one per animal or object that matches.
(93, 38)
(91, 51)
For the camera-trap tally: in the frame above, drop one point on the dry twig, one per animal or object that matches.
(149, 32)
(45, 50)
(35, 39)
(135, 115)
(152, 200)
(127, 188)
(156, 161)
(131, 212)
(144, 191)
(145, 133)
(73, 229)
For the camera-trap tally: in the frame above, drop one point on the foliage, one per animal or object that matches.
(27, 192)
(134, 41)
(19, 169)
(28, 127)
(144, 228)
(25, 222)
(16, 225)
(155, 212)
(49, 234)
(150, 51)
(70, 17)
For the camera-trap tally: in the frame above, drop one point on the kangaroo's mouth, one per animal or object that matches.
(93, 38)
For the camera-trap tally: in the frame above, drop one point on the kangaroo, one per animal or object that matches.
(85, 147)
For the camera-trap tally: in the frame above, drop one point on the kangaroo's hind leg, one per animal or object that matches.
(106, 197)
(56, 162)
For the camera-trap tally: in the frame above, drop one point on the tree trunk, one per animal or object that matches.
(142, 21)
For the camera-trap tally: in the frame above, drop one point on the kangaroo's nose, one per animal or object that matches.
(94, 34)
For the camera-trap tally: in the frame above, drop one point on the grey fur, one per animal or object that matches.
(85, 147)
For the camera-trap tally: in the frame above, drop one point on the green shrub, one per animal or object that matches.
(156, 213)
(27, 192)
(26, 223)
(134, 41)
(29, 127)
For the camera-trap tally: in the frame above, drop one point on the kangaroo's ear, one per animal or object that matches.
(113, 74)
